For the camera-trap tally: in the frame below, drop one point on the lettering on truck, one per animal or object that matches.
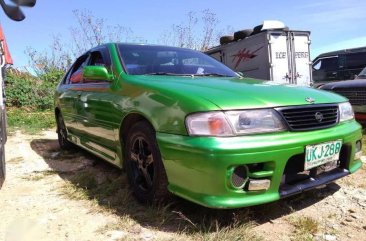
(281, 55)
(301, 55)
(298, 55)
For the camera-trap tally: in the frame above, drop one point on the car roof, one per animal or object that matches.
(343, 51)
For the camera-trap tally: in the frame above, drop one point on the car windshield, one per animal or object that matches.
(161, 60)
(362, 74)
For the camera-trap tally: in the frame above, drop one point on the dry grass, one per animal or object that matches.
(108, 191)
(234, 232)
(305, 228)
(39, 175)
(181, 222)
(73, 192)
(16, 160)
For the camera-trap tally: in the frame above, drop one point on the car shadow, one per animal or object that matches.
(108, 185)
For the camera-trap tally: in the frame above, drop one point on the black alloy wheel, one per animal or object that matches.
(144, 166)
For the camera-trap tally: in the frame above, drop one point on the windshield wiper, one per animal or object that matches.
(213, 74)
(166, 73)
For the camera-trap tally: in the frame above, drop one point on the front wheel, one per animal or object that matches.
(144, 165)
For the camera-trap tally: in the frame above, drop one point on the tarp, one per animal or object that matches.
(8, 59)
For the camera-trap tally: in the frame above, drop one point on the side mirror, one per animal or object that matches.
(96, 73)
(356, 76)
(240, 74)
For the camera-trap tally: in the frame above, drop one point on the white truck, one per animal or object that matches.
(270, 51)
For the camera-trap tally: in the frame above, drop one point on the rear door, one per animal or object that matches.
(300, 57)
(279, 60)
(69, 97)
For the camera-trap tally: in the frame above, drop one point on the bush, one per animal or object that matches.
(25, 90)
(29, 121)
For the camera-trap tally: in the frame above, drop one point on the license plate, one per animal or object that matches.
(316, 155)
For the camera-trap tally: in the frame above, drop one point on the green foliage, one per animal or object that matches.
(29, 121)
(25, 90)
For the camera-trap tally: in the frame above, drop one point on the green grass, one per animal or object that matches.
(29, 121)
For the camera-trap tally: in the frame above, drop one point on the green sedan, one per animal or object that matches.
(180, 122)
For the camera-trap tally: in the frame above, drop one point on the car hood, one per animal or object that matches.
(345, 84)
(236, 93)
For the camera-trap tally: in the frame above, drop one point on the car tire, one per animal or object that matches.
(144, 166)
(257, 29)
(226, 39)
(242, 34)
(62, 133)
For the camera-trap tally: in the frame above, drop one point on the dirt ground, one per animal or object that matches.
(47, 196)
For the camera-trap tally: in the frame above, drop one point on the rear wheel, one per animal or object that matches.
(62, 133)
(144, 166)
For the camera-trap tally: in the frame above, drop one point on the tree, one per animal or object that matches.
(89, 31)
(198, 32)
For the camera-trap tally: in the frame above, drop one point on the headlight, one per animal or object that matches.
(345, 112)
(255, 121)
(208, 124)
(231, 123)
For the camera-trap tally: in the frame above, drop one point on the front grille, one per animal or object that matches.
(311, 117)
(356, 96)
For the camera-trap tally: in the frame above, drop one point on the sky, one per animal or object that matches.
(334, 24)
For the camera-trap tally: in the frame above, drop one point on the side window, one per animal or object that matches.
(326, 64)
(96, 59)
(76, 73)
(100, 57)
(356, 60)
(66, 77)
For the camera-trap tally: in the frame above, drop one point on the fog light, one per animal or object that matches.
(358, 151)
(259, 184)
(239, 177)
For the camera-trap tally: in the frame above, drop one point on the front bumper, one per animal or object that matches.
(198, 168)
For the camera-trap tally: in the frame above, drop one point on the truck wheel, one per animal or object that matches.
(62, 133)
(242, 34)
(226, 39)
(144, 167)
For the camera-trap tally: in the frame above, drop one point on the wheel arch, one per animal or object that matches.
(128, 121)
